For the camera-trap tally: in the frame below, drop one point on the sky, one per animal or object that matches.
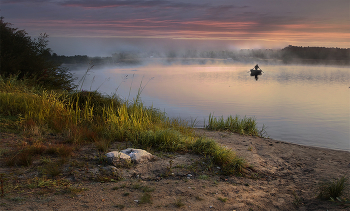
(100, 28)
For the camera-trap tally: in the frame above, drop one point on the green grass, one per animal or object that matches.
(89, 117)
(332, 190)
(243, 126)
(146, 198)
(222, 199)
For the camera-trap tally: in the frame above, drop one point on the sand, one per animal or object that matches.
(285, 176)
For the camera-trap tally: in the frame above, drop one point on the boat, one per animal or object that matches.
(255, 72)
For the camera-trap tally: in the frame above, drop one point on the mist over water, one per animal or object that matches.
(307, 105)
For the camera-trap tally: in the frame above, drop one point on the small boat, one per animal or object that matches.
(255, 72)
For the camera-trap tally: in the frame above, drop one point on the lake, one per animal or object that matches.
(307, 105)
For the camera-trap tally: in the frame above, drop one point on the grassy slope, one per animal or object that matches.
(85, 117)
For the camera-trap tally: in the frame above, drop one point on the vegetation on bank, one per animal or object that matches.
(88, 117)
(245, 126)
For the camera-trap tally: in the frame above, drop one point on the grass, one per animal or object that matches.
(332, 190)
(222, 199)
(243, 126)
(89, 117)
(146, 198)
(179, 203)
(203, 177)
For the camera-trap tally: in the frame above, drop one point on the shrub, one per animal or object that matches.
(30, 58)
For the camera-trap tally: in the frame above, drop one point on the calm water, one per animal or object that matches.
(306, 105)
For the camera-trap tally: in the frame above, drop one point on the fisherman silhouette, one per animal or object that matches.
(256, 67)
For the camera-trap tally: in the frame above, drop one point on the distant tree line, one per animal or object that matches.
(288, 55)
(322, 55)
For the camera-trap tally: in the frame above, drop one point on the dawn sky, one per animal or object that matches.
(103, 27)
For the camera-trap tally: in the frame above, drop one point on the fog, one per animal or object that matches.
(71, 46)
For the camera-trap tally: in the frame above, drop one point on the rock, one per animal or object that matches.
(118, 159)
(138, 155)
(124, 157)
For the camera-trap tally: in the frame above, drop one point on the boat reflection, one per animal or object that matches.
(255, 73)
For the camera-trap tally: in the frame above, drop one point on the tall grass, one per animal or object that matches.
(91, 117)
(243, 126)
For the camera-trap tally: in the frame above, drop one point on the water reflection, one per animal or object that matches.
(300, 104)
(255, 74)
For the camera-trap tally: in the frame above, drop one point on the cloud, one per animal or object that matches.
(129, 3)
(187, 19)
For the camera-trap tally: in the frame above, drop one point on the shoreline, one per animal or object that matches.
(305, 145)
(282, 176)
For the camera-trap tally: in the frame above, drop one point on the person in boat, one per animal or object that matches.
(256, 67)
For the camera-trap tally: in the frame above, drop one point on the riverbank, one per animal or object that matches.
(282, 176)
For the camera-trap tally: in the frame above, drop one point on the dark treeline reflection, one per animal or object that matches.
(287, 55)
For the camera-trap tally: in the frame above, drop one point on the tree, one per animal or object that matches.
(30, 58)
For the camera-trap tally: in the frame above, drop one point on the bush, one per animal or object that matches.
(27, 58)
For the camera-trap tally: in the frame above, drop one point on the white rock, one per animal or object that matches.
(118, 159)
(125, 156)
(138, 155)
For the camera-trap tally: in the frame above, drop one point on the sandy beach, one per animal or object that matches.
(281, 176)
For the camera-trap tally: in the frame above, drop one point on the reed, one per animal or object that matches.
(89, 117)
(243, 126)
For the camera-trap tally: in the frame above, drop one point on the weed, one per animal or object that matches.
(203, 177)
(136, 186)
(199, 198)
(126, 194)
(179, 203)
(45, 160)
(147, 189)
(120, 206)
(2, 184)
(146, 198)
(263, 133)
(255, 176)
(168, 168)
(21, 158)
(333, 189)
(222, 199)
(51, 169)
(17, 199)
(297, 200)
(115, 188)
(103, 145)
(2, 151)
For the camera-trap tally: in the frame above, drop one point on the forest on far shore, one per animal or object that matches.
(288, 55)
